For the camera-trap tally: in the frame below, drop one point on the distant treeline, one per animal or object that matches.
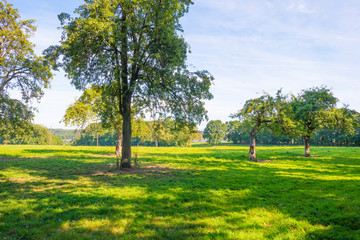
(166, 133)
(145, 133)
(67, 135)
(33, 135)
(323, 137)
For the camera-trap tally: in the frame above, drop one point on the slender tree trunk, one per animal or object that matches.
(307, 146)
(252, 153)
(118, 144)
(125, 96)
(156, 143)
(126, 141)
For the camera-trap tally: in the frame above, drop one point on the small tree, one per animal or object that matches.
(255, 115)
(311, 111)
(92, 106)
(215, 131)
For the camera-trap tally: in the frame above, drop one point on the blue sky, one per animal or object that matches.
(249, 47)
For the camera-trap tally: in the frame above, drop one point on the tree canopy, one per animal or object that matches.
(20, 68)
(85, 110)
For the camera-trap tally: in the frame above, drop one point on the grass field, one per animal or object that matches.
(179, 193)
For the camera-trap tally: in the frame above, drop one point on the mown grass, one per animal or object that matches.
(180, 193)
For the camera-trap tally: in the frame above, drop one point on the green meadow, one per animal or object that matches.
(49, 192)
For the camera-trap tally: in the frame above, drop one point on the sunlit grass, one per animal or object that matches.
(179, 193)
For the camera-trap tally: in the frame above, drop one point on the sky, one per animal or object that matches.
(250, 47)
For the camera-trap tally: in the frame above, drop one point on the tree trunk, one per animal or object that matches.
(126, 141)
(307, 146)
(118, 144)
(125, 97)
(156, 143)
(252, 153)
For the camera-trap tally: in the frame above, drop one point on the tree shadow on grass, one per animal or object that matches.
(264, 154)
(56, 154)
(171, 206)
(68, 212)
(175, 203)
(57, 167)
(74, 151)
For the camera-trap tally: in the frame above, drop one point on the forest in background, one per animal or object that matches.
(166, 135)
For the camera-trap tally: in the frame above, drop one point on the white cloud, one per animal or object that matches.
(299, 6)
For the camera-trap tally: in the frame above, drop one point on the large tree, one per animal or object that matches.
(20, 68)
(134, 48)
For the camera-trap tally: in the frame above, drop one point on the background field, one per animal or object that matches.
(179, 193)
